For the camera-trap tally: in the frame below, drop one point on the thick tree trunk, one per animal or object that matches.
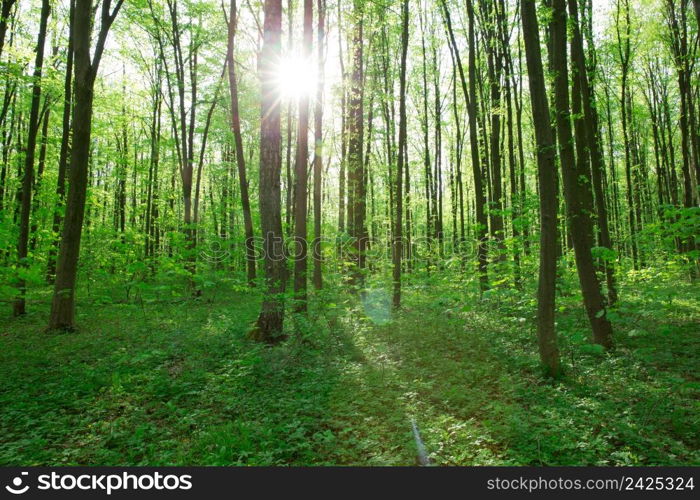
(63, 304)
(269, 326)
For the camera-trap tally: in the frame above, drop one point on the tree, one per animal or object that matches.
(579, 203)
(318, 144)
(63, 304)
(355, 164)
(25, 193)
(623, 34)
(238, 141)
(64, 152)
(5, 9)
(480, 198)
(268, 327)
(397, 248)
(593, 144)
(301, 185)
(547, 176)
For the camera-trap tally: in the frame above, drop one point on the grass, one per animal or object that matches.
(166, 380)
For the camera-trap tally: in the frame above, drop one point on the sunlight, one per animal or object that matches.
(296, 77)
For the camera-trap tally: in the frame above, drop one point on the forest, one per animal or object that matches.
(362, 232)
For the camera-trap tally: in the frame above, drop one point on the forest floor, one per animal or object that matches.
(173, 381)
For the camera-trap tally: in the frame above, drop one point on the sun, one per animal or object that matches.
(296, 77)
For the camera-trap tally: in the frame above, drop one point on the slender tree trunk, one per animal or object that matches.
(301, 177)
(356, 184)
(397, 247)
(64, 152)
(318, 144)
(547, 176)
(5, 10)
(43, 143)
(480, 199)
(343, 132)
(27, 178)
(240, 153)
(576, 185)
(494, 78)
(470, 96)
(592, 133)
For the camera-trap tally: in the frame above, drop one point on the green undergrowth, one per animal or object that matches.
(160, 378)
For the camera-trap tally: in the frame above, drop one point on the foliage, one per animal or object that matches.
(178, 383)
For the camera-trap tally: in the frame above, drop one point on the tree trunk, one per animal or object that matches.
(269, 326)
(576, 184)
(318, 145)
(240, 154)
(356, 184)
(64, 152)
(397, 247)
(592, 133)
(63, 304)
(27, 179)
(301, 177)
(547, 176)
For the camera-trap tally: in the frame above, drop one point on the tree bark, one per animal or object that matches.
(240, 153)
(25, 197)
(301, 185)
(63, 304)
(576, 182)
(269, 326)
(356, 183)
(547, 176)
(64, 152)
(318, 145)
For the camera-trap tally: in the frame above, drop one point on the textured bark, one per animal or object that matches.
(25, 193)
(64, 152)
(63, 304)
(592, 133)
(269, 326)
(547, 176)
(356, 182)
(576, 185)
(301, 185)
